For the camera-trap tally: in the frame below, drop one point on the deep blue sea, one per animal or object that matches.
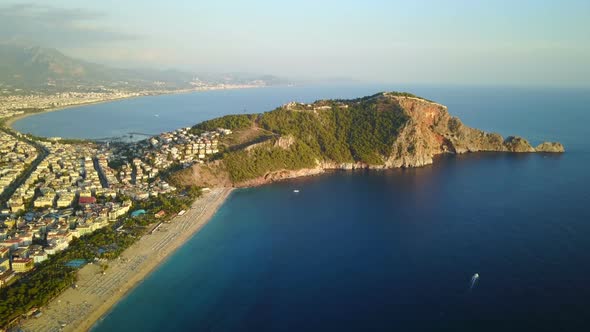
(371, 250)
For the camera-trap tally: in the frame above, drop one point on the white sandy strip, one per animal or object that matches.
(80, 308)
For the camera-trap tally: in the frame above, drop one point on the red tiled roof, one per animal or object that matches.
(87, 200)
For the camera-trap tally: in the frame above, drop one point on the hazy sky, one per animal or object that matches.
(410, 41)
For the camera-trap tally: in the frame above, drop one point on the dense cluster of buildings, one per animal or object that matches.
(181, 146)
(56, 203)
(16, 104)
(15, 156)
(73, 190)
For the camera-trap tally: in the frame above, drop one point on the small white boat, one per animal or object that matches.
(473, 281)
(295, 190)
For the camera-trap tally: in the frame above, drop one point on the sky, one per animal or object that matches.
(518, 42)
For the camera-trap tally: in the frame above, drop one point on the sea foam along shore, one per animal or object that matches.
(79, 309)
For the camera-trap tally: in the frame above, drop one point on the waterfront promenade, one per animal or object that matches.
(79, 309)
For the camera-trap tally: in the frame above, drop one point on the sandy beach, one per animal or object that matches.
(79, 309)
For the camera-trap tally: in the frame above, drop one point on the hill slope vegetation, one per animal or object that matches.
(385, 130)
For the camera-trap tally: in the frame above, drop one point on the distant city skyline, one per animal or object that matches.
(436, 42)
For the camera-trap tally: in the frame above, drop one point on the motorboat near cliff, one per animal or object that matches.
(296, 191)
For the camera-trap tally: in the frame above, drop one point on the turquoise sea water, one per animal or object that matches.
(384, 251)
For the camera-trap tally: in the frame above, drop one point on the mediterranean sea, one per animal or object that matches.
(376, 250)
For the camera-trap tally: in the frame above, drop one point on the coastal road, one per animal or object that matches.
(42, 152)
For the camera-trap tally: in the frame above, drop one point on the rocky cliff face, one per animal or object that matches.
(552, 147)
(429, 131)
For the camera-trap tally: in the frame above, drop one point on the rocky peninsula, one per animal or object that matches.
(382, 131)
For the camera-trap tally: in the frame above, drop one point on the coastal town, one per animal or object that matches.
(73, 191)
(294, 166)
(16, 102)
(68, 205)
(54, 191)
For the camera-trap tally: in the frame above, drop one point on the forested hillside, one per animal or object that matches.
(359, 130)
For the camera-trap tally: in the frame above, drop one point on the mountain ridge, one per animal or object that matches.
(30, 66)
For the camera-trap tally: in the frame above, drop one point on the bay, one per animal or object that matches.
(381, 251)
(536, 113)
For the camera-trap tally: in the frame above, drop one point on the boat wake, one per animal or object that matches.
(473, 282)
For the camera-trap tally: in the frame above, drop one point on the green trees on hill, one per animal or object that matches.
(232, 122)
(374, 131)
(362, 130)
(244, 165)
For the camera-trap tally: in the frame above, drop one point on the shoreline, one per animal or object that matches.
(96, 295)
(9, 122)
(95, 307)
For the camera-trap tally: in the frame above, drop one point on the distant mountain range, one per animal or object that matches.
(33, 67)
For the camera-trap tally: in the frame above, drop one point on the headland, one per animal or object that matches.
(385, 130)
